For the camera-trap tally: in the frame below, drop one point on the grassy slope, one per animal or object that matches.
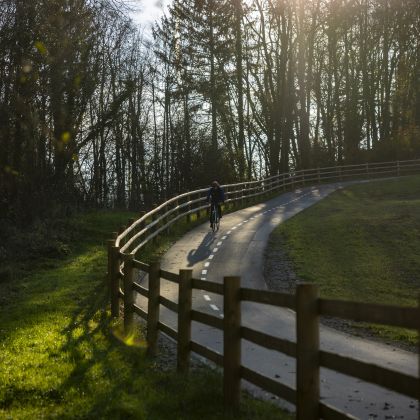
(61, 357)
(362, 243)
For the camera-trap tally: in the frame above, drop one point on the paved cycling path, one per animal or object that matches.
(237, 249)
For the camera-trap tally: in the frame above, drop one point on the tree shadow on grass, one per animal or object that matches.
(129, 385)
(105, 365)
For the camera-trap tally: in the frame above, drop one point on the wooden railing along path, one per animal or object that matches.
(306, 303)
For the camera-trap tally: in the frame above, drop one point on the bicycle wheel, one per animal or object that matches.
(213, 218)
(217, 221)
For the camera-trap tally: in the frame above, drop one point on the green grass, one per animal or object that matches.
(61, 356)
(362, 243)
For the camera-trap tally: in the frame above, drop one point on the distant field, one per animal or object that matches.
(361, 243)
(61, 356)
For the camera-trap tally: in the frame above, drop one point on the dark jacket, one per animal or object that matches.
(216, 195)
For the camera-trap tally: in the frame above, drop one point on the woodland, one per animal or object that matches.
(97, 113)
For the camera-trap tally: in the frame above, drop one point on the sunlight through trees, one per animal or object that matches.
(94, 114)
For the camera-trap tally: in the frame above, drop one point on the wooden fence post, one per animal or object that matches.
(110, 243)
(231, 342)
(188, 209)
(198, 204)
(234, 198)
(418, 360)
(398, 168)
(115, 281)
(153, 308)
(120, 231)
(153, 218)
(184, 320)
(237, 196)
(307, 352)
(128, 293)
(176, 212)
(267, 189)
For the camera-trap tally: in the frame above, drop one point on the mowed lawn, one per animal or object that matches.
(362, 243)
(61, 356)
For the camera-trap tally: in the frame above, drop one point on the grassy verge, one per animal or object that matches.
(61, 356)
(362, 243)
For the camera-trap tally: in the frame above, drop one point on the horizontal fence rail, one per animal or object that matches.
(306, 303)
(141, 231)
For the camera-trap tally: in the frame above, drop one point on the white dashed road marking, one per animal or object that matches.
(211, 256)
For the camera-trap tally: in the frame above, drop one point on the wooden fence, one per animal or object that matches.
(306, 303)
(134, 237)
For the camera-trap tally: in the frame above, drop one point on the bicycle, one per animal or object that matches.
(214, 217)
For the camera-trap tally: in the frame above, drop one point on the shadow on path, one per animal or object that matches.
(203, 250)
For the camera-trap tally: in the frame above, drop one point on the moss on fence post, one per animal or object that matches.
(115, 281)
(128, 293)
(153, 308)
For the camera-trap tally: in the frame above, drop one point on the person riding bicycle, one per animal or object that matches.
(216, 196)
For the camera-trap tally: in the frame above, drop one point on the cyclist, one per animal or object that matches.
(216, 195)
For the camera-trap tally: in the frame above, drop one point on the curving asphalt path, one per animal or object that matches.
(238, 249)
